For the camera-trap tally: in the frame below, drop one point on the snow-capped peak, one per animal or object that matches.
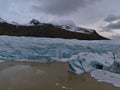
(34, 22)
(15, 23)
(74, 28)
(2, 20)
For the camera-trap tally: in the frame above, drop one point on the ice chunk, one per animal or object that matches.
(86, 62)
(115, 67)
(105, 76)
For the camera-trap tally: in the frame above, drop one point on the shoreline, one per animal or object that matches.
(46, 76)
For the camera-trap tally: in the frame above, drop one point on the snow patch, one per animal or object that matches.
(2, 20)
(74, 28)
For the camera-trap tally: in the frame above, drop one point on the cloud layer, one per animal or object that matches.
(111, 18)
(61, 7)
(113, 25)
(44, 10)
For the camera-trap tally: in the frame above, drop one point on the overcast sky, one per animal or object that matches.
(102, 15)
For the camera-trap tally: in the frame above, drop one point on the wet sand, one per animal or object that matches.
(50, 76)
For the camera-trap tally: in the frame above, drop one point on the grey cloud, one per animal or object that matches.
(64, 22)
(111, 18)
(61, 7)
(116, 36)
(113, 26)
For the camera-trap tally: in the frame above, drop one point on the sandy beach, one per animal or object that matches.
(49, 76)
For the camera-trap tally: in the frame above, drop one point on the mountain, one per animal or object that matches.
(34, 22)
(2, 20)
(37, 29)
(77, 29)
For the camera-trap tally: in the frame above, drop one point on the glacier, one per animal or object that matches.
(94, 57)
(30, 48)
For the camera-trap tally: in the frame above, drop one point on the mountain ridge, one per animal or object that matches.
(38, 29)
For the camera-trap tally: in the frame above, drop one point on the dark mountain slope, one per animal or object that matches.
(45, 30)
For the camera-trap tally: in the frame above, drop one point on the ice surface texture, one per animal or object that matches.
(88, 61)
(29, 48)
